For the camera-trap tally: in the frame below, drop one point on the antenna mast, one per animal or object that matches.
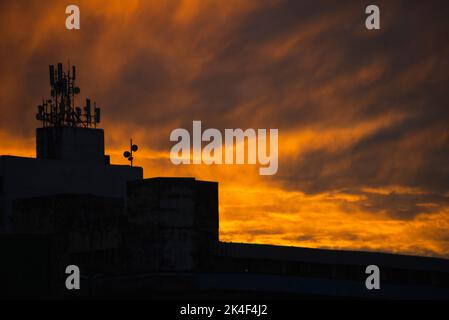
(129, 154)
(60, 110)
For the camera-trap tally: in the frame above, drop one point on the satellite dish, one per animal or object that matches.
(132, 148)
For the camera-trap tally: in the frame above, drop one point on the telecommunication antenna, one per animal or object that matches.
(59, 110)
(129, 154)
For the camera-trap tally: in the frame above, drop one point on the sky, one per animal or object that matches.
(363, 116)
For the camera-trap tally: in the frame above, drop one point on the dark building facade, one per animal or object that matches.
(176, 219)
(70, 160)
(162, 242)
(157, 238)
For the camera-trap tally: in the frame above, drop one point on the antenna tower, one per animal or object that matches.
(59, 110)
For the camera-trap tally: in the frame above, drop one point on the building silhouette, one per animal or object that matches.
(159, 237)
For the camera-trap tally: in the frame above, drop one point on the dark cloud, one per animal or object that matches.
(355, 109)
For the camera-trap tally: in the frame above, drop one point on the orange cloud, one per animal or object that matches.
(362, 117)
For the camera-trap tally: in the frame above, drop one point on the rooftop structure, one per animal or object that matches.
(155, 237)
(70, 153)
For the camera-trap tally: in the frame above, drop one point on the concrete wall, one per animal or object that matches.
(27, 269)
(173, 223)
(29, 177)
(87, 229)
(71, 144)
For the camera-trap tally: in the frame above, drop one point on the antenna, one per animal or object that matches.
(60, 71)
(87, 109)
(60, 110)
(52, 75)
(97, 115)
(129, 154)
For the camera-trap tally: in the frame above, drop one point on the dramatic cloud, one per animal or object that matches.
(362, 115)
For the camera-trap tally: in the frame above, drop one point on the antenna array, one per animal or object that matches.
(129, 154)
(60, 110)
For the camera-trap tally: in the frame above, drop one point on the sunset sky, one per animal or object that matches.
(363, 116)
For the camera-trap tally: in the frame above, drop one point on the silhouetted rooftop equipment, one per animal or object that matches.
(129, 154)
(60, 110)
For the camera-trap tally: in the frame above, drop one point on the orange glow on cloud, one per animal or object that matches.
(361, 130)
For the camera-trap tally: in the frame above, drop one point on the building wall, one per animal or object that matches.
(29, 177)
(166, 243)
(336, 265)
(71, 144)
(27, 268)
(173, 224)
(87, 229)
